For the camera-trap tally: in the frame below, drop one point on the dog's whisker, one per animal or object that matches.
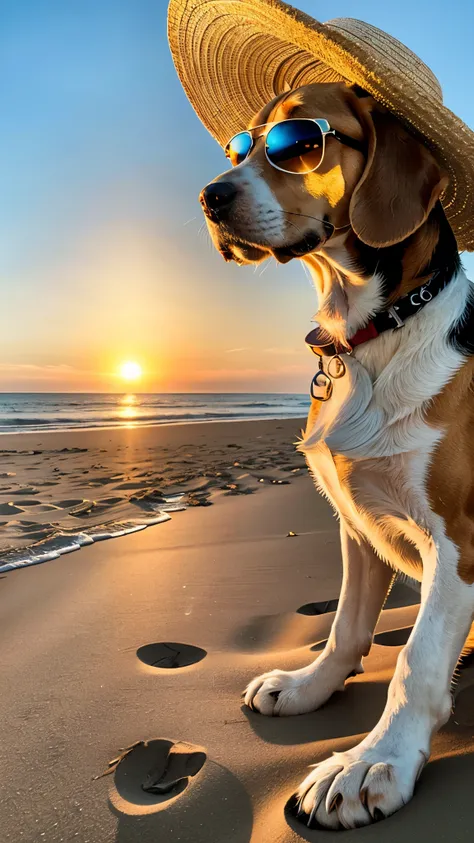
(304, 236)
(307, 272)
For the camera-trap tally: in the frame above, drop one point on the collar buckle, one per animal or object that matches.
(392, 311)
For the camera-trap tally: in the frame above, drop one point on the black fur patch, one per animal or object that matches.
(359, 92)
(445, 257)
(461, 336)
(387, 261)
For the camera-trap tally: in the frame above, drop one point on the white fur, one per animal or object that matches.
(376, 409)
(365, 584)
(258, 217)
(380, 773)
(356, 300)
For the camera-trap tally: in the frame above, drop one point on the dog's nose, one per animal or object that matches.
(216, 200)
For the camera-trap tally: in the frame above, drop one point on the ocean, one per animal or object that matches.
(26, 412)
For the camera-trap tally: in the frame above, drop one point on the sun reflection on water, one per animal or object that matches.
(127, 411)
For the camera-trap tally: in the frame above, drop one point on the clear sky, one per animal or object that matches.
(102, 158)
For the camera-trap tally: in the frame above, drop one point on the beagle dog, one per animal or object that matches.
(388, 437)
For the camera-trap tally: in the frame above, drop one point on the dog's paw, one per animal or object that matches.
(282, 693)
(356, 788)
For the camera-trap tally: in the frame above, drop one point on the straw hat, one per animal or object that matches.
(233, 56)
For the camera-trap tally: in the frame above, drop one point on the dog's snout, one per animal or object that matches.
(216, 199)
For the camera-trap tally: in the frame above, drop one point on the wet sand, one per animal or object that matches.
(148, 640)
(62, 491)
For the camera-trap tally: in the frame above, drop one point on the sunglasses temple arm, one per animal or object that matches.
(347, 141)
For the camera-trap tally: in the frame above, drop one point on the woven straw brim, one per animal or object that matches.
(233, 56)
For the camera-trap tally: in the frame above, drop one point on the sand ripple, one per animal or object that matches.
(71, 495)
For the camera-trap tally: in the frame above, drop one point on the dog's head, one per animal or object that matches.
(383, 192)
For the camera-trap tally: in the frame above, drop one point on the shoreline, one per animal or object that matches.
(63, 492)
(66, 412)
(138, 426)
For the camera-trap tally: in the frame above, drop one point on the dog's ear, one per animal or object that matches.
(400, 184)
(358, 91)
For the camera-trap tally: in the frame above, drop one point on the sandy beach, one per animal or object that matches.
(149, 640)
(62, 490)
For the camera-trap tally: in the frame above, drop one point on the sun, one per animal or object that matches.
(130, 371)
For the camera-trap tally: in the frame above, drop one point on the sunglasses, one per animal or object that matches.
(293, 146)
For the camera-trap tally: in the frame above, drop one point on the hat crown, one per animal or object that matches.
(387, 47)
(234, 56)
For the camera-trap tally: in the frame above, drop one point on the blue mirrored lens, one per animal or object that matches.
(295, 145)
(239, 147)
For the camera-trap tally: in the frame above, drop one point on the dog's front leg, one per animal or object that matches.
(378, 776)
(366, 580)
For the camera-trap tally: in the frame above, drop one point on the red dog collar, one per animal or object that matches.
(322, 344)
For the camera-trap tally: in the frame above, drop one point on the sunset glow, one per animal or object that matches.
(130, 371)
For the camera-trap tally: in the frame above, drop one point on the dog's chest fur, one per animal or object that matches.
(378, 500)
(373, 447)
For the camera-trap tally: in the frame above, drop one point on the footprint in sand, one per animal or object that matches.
(463, 693)
(150, 774)
(46, 507)
(69, 502)
(170, 655)
(318, 608)
(10, 509)
(394, 637)
(390, 638)
(400, 595)
(463, 714)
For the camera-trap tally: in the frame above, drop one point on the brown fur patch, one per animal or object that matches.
(346, 187)
(332, 185)
(418, 256)
(450, 482)
(400, 185)
(288, 105)
(328, 190)
(418, 253)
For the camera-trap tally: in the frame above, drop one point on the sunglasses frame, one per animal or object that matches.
(322, 124)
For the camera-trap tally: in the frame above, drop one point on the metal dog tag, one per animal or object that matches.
(336, 368)
(321, 386)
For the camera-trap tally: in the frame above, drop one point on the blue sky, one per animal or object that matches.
(101, 163)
